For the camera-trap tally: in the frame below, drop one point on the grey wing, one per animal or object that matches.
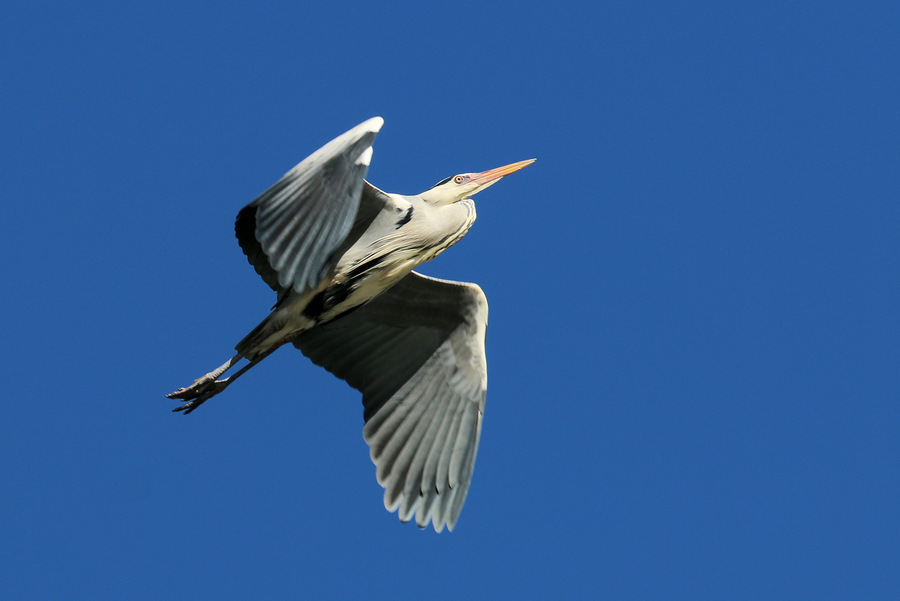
(416, 352)
(291, 231)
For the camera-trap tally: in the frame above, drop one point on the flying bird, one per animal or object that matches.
(340, 254)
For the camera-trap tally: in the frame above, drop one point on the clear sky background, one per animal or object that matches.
(694, 338)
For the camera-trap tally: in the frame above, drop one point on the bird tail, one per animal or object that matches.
(254, 344)
(279, 326)
(250, 340)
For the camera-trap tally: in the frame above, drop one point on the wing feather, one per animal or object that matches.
(417, 354)
(413, 487)
(291, 232)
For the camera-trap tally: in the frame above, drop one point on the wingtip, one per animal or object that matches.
(374, 124)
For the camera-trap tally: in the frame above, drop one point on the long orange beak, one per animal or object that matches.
(495, 174)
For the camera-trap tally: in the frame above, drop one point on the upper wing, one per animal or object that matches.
(416, 352)
(291, 231)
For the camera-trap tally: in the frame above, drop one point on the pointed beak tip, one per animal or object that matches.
(512, 168)
(500, 172)
(519, 165)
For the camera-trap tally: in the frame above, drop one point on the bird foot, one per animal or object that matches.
(198, 393)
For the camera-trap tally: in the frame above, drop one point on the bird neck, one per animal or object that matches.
(449, 224)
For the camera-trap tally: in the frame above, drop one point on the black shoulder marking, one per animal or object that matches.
(364, 268)
(327, 299)
(405, 219)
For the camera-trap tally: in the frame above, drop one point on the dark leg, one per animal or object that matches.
(208, 386)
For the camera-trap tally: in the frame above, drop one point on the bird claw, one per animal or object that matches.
(197, 393)
(190, 405)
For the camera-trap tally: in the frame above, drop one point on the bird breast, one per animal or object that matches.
(401, 238)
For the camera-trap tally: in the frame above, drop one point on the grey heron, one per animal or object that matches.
(340, 255)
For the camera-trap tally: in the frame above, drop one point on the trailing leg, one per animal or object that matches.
(206, 387)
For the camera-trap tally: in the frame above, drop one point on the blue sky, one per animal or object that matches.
(693, 340)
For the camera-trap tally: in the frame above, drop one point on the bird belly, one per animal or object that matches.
(350, 288)
(362, 288)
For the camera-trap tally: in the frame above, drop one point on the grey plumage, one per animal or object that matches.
(416, 352)
(340, 255)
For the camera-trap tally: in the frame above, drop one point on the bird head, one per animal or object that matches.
(465, 185)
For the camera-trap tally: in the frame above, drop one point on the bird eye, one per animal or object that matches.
(460, 179)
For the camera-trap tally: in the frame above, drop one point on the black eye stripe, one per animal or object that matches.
(443, 181)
